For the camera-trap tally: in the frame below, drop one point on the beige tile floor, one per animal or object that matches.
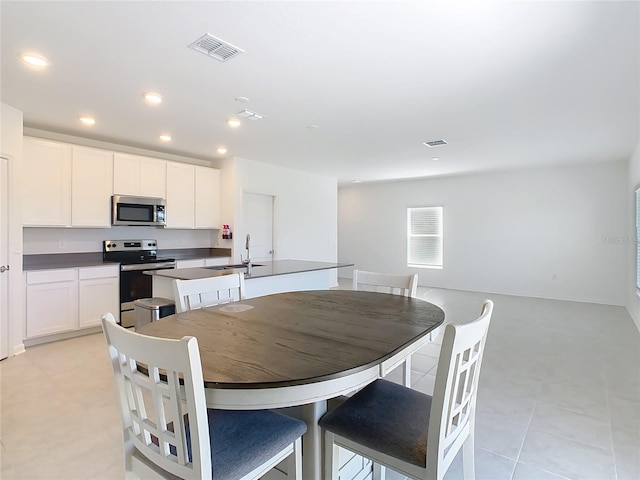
(559, 397)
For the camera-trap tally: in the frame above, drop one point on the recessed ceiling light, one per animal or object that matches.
(221, 150)
(152, 97)
(87, 120)
(355, 181)
(34, 60)
(312, 126)
(165, 137)
(435, 159)
(242, 99)
(233, 122)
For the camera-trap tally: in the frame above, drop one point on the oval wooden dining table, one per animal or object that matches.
(300, 349)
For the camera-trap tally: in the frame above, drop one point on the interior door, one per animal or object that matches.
(4, 258)
(257, 210)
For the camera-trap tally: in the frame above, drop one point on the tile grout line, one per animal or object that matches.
(526, 432)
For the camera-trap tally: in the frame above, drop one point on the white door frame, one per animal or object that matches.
(4, 256)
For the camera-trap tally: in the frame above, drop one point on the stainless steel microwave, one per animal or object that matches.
(138, 211)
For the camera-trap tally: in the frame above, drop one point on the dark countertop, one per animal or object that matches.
(92, 259)
(258, 270)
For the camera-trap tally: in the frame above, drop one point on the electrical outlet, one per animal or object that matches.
(61, 244)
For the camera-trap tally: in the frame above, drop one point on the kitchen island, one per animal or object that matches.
(265, 278)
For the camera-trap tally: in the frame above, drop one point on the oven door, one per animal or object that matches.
(135, 284)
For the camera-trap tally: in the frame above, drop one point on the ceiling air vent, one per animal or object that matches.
(249, 115)
(435, 143)
(215, 48)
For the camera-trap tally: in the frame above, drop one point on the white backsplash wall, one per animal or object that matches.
(82, 240)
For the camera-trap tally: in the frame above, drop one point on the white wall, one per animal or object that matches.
(633, 301)
(540, 232)
(305, 209)
(11, 145)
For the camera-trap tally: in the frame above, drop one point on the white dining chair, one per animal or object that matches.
(415, 434)
(206, 292)
(405, 285)
(168, 430)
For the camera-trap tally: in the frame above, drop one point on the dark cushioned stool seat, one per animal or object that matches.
(386, 417)
(243, 440)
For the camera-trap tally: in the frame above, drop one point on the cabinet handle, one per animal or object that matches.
(4, 269)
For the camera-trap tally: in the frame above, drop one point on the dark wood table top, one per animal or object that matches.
(299, 338)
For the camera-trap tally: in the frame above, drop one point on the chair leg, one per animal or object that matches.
(468, 458)
(294, 462)
(379, 471)
(406, 372)
(331, 457)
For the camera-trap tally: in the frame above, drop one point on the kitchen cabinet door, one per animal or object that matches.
(91, 184)
(180, 195)
(153, 177)
(52, 302)
(126, 174)
(47, 183)
(192, 263)
(98, 293)
(139, 176)
(216, 261)
(207, 198)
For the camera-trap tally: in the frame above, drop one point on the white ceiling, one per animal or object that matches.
(507, 84)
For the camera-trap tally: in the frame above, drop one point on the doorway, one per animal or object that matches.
(257, 214)
(4, 258)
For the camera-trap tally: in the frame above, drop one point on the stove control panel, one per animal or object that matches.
(129, 245)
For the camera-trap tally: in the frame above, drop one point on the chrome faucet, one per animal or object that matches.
(247, 261)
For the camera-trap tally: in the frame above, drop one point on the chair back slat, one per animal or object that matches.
(396, 284)
(455, 391)
(207, 292)
(153, 412)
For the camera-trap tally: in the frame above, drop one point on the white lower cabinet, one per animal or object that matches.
(52, 301)
(216, 261)
(193, 263)
(64, 300)
(98, 293)
(203, 262)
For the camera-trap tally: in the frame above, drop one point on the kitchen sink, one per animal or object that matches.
(231, 267)
(241, 265)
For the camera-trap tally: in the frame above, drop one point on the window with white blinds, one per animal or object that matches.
(424, 237)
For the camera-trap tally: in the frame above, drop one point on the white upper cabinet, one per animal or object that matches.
(139, 176)
(207, 197)
(92, 176)
(193, 196)
(180, 195)
(66, 185)
(126, 174)
(71, 186)
(47, 183)
(153, 177)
